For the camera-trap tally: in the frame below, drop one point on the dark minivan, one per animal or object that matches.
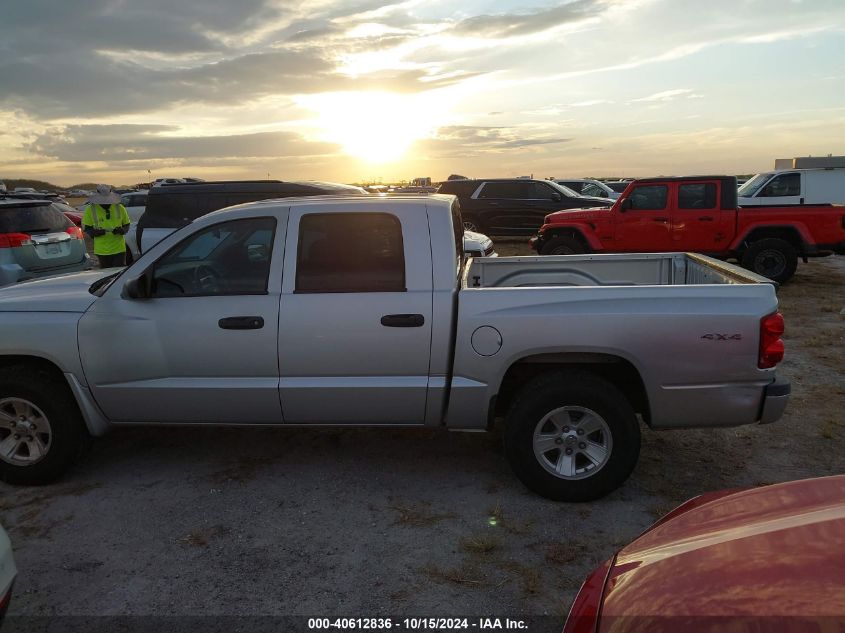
(513, 206)
(170, 207)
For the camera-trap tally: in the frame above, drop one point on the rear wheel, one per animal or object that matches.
(773, 258)
(41, 429)
(472, 223)
(562, 245)
(572, 436)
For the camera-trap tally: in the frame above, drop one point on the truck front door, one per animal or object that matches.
(645, 225)
(355, 321)
(201, 347)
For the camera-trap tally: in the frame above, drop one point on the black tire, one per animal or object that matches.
(579, 390)
(772, 257)
(472, 223)
(562, 245)
(68, 434)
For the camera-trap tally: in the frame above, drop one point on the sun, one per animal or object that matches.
(376, 127)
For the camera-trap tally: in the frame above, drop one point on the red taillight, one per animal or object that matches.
(771, 345)
(14, 240)
(75, 232)
(584, 614)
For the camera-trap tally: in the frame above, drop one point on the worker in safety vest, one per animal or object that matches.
(107, 221)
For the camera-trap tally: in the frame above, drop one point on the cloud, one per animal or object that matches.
(463, 140)
(128, 142)
(668, 95)
(514, 24)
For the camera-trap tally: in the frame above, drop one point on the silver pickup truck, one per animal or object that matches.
(348, 311)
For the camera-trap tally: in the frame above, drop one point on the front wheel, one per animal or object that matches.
(572, 436)
(41, 429)
(562, 245)
(773, 258)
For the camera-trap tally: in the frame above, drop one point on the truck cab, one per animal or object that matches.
(794, 187)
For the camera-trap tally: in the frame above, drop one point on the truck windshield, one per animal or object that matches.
(754, 185)
(564, 189)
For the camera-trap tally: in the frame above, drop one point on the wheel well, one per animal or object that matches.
(35, 363)
(570, 232)
(787, 233)
(614, 369)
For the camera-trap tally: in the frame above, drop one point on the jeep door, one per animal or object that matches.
(645, 225)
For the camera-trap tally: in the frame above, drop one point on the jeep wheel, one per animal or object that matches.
(563, 245)
(773, 258)
(572, 436)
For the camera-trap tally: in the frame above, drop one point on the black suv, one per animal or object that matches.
(513, 206)
(170, 207)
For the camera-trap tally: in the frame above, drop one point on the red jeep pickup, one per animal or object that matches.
(699, 214)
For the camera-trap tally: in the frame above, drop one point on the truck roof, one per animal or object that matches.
(682, 178)
(347, 198)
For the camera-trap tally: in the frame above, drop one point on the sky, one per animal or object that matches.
(365, 90)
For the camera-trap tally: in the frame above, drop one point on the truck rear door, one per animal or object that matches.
(698, 222)
(355, 320)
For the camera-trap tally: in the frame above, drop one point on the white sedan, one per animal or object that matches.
(7, 573)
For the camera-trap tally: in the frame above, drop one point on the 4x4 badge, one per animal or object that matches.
(723, 337)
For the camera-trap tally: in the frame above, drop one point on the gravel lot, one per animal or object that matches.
(368, 523)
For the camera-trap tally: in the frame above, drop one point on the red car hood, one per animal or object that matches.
(770, 551)
(568, 215)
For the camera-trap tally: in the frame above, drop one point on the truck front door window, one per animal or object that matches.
(230, 258)
(782, 186)
(649, 198)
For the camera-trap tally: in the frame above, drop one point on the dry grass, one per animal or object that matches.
(466, 574)
(529, 577)
(201, 537)
(497, 518)
(563, 553)
(480, 543)
(420, 516)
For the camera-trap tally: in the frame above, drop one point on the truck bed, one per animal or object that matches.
(641, 269)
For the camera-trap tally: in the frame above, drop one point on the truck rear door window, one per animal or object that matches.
(649, 198)
(350, 252)
(697, 196)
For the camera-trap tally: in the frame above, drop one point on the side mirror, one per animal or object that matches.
(139, 287)
(556, 197)
(624, 205)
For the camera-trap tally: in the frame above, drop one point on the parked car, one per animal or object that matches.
(37, 240)
(700, 214)
(513, 205)
(617, 185)
(588, 187)
(478, 245)
(7, 573)
(764, 559)
(361, 311)
(135, 203)
(794, 187)
(170, 207)
(158, 182)
(70, 213)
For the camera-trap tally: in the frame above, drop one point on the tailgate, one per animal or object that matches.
(49, 250)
